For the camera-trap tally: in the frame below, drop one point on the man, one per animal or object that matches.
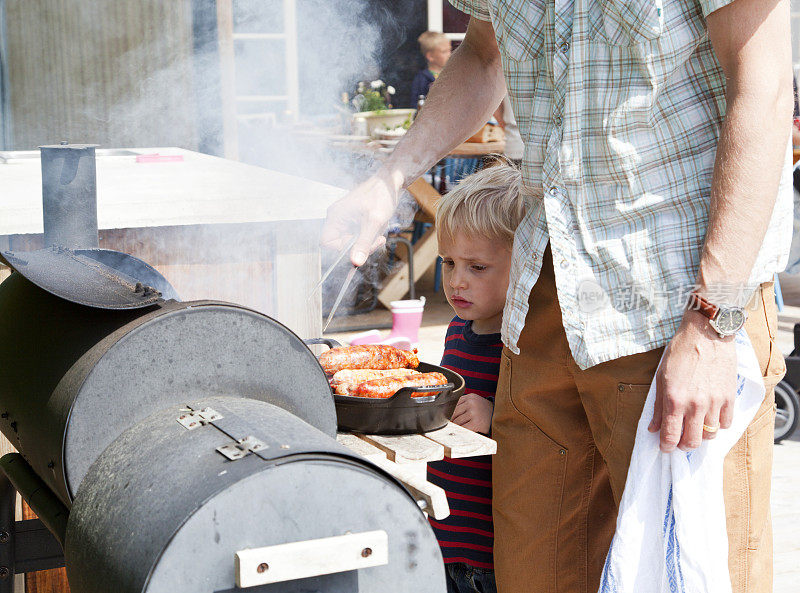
(656, 133)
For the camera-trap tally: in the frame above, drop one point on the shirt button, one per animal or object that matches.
(564, 264)
(564, 47)
(557, 121)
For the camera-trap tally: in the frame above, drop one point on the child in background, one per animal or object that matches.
(436, 48)
(475, 225)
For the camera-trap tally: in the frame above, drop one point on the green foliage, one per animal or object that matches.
(373, 96)
(373, 101)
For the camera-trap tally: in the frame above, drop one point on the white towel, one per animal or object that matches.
(671, 535)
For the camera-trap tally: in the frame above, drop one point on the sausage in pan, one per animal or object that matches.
(374, 356)
(387, 387)
(345, 380)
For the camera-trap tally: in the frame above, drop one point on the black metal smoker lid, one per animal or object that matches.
(80, 279)
(161, 509)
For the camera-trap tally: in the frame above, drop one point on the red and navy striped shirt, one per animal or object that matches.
(467, 534)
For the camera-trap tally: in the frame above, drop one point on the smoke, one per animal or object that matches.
(143, 73)
(338, 44)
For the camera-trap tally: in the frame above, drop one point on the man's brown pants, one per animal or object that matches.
(565, 438)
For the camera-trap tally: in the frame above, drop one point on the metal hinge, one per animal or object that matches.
(196, 418)
(241, 448)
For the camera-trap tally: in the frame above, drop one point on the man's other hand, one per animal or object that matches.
(695, 385)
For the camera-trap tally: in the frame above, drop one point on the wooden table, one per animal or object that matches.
(215, 228)
(406, 457)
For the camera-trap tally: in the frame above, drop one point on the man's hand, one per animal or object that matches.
(695, 385)
(363, 213)
(463, 98)
(474, 412)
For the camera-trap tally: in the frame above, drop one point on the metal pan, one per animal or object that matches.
(401, 413)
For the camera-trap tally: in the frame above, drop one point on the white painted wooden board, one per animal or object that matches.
(462, 442)
(412, 475)
(360, 446)
(408, 456)
(407, 448)
(311, 558)
(433, 496)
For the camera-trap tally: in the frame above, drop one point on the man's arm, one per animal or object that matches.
(696, 382)
(463, 98)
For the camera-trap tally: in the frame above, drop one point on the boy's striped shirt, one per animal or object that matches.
(467, 534)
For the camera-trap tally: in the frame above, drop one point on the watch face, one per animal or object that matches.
(729, 321)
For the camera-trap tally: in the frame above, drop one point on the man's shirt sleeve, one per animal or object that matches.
(709, 6)
(478, 8)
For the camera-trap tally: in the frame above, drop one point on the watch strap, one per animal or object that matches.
(699, 303)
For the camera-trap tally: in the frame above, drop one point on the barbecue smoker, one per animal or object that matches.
(181, 446)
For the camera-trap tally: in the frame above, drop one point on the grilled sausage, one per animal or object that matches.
(347, 379)
(374, 356)
(387, 387)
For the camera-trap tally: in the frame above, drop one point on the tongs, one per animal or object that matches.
(348, 279)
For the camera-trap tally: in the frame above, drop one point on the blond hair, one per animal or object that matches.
(430, 39)
(489, 203)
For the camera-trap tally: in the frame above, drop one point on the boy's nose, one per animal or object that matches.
(456, 279)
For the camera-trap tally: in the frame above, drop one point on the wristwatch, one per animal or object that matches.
(725, 319)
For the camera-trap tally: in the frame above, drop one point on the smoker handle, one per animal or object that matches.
(325, 341)
(35, 492)
(436, 391)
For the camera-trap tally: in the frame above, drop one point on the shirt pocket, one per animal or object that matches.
(519, 28)
(627, 23)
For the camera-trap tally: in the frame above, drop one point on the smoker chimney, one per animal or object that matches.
(69, 195)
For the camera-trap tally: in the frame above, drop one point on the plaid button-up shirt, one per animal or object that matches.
(620, 104)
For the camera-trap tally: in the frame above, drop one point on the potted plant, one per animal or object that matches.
(372, 102)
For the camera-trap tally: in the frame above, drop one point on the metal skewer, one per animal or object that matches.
(350, 275)
(327, 273)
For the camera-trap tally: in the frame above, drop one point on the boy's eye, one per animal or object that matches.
(447, 262)
(478, 268)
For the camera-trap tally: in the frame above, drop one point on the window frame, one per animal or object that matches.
(436, 20)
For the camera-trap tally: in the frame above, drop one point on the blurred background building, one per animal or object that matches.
(206, 75)
(223, 77)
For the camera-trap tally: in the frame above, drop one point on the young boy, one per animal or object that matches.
(436, 48)
(475, 225)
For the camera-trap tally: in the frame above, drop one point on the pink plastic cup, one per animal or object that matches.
(407, 318)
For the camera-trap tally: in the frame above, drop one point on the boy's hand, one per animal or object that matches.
(474, 412)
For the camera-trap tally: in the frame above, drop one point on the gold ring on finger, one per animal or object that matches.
(710, 429)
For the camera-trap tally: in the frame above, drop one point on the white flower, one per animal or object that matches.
(361, 87)
(390, 90)
(376, 84)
